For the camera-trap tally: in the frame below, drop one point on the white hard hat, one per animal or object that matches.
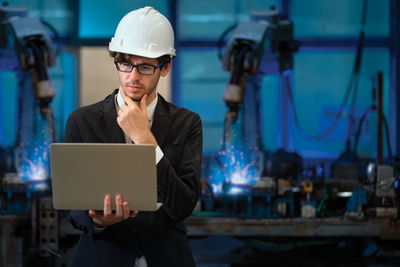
(144, 32)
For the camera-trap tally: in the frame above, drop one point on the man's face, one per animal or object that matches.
(135, 85)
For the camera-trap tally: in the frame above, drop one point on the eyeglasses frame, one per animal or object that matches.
(136, 66)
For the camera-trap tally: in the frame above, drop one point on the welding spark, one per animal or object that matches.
(236, 163)
(235, 191)
(232, 167)
(34, 164)
(35, 171)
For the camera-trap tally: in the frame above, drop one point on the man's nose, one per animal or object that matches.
(134, 74)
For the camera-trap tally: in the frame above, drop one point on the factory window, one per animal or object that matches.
(59, 14)
(99, 19)
(8, 100)
(196, 17)
(64, 79)
(340, 18)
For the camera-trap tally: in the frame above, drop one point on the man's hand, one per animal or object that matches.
(133, 120)
(108, 217)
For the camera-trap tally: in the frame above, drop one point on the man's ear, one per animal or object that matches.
(165, 69)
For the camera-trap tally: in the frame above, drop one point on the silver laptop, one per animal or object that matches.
(83, 173)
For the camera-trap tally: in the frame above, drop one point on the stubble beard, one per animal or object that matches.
(137, 99)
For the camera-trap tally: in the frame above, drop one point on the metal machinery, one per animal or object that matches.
(257, 195)
(28, 223)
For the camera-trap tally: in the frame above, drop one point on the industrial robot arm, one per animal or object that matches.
(264, 45)
(33, 47)
(261, 46)
(242, 57)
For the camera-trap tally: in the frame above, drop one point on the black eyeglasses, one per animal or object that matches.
(144, 69)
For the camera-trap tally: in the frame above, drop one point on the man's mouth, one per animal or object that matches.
(134, 87)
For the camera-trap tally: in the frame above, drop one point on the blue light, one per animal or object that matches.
(235, 191)
(34, 162)
(287, 72)
(236, 164)
(33, 154)
(39, 187)
(238, 168)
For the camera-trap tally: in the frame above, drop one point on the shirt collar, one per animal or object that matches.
(150, 108)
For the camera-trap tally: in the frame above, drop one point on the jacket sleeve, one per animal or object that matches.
(79, 219)
(180, 184)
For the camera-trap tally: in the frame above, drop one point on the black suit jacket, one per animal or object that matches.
(159, 235)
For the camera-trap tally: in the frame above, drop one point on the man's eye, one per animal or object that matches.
(145, 67)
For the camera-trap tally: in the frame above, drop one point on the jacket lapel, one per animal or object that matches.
(162, 119)
(113, 132)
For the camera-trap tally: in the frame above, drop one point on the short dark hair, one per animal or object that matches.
(123, 57)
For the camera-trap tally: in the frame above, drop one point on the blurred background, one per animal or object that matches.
(299, 103)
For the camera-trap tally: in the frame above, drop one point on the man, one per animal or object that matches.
(142, 48)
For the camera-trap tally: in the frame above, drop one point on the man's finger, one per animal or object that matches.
(133, 213)
(107, 205)
(143, 103)
(123, 95)
(95, 216)
(122, 92)
(126, 209)
(128, 101)
(120, 112)
(118, 203)
(92, 213)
